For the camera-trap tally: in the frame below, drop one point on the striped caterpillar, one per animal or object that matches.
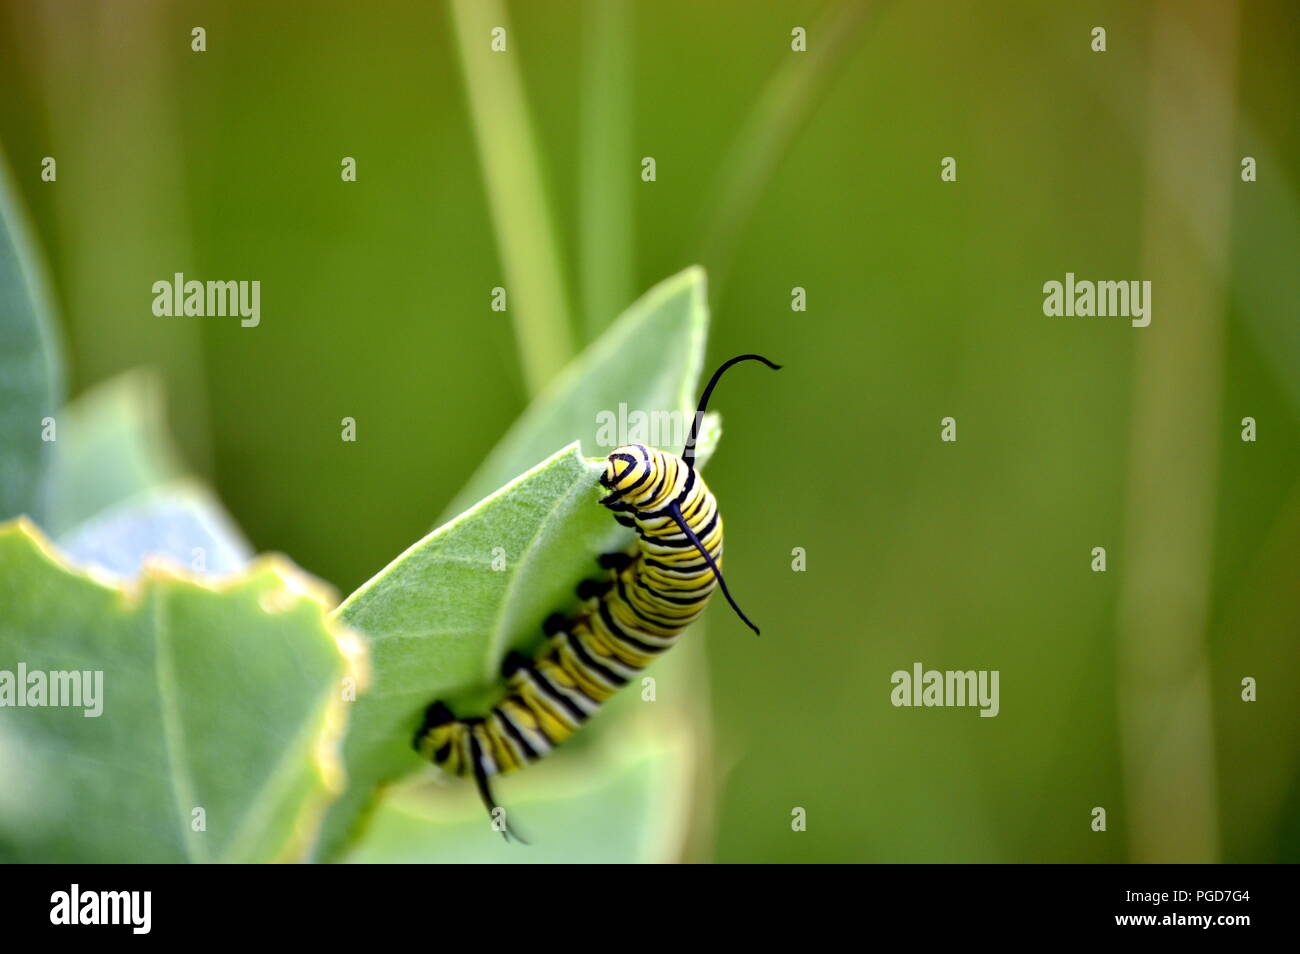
(649, 596)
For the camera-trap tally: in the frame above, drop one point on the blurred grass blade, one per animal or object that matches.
(785, 102)
(1164, 669)
(112, 78)
(526, 235)
(31, 371)
(226, 700)
(1265, 226)
(606, 170)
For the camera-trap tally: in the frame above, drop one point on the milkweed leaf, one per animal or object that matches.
(442, 616)
(220, 704)
(31, 377)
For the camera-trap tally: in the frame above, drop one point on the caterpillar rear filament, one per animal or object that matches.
(626, 620)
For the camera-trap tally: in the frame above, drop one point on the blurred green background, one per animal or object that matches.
(775, 169)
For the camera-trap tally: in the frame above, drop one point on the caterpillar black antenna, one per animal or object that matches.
(675, 512)
(688, 452)
(485, 792)
(688, 456)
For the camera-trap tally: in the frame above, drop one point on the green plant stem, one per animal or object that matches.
(606, 170)
(536, 297)
(1164, 684)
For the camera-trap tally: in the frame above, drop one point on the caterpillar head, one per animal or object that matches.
(626, 469)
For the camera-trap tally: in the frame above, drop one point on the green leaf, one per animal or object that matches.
(112, 446)
(440, 619)
(223, 698)
(181, 521)
(649, 360)
(620, 803)
(117, 497)
(31, 379)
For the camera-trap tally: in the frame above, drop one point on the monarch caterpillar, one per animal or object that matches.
(649, 597)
